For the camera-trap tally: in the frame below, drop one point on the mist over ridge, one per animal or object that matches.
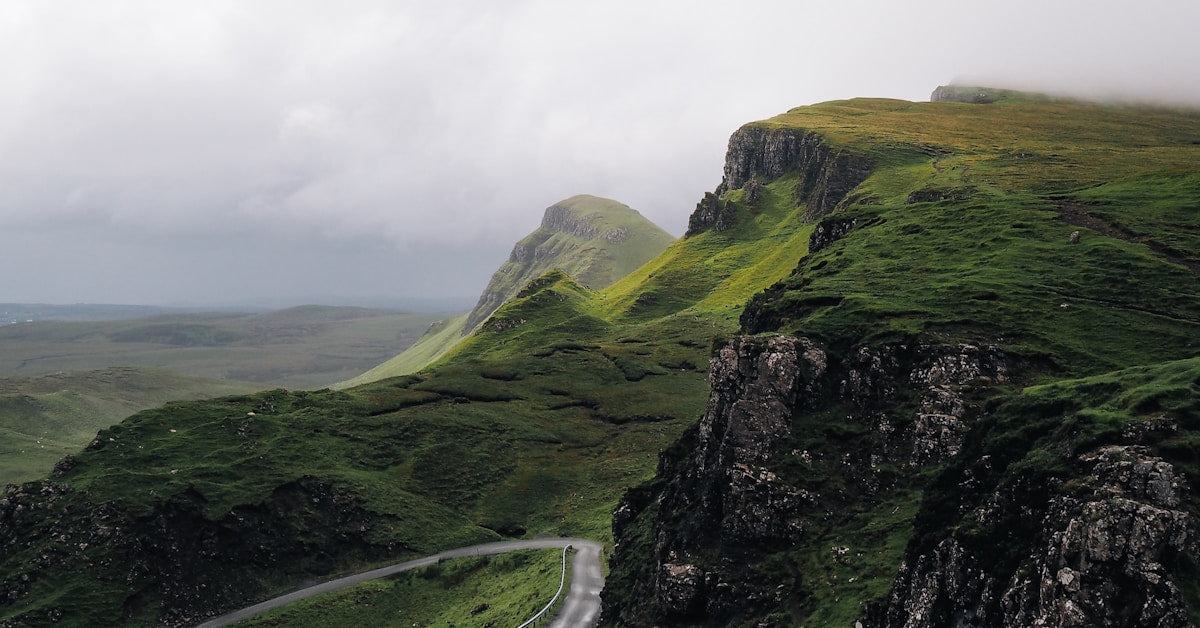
(226, 153)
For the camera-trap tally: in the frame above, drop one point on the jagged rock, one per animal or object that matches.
(563, 220)
(61, 467)
(935, 195)
(680, 589)
(939, 427)
(616, 236)
(727, 504)
(1101, 557)
(829, 231)
(712, 212)
(758, 153)
(954, 93)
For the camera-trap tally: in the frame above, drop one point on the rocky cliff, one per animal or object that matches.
(758, 154)
(1108, 551)
(951, 413)
(729, 511)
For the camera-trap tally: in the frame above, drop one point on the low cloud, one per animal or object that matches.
(430, 135)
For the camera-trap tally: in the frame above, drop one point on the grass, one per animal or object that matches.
(963, 234)
(45, 418)
(438, 340)
(502, 590)
(516, 432)
(600, 242)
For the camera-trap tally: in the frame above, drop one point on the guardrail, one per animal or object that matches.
(546, 609)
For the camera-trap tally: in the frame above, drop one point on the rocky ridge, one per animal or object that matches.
(735, 498)
(1104, 554)
(757, 153)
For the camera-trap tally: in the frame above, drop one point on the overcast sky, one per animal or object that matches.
(221, 152)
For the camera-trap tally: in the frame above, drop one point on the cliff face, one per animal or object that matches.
(961, 412)
(759, 154)
(1106, 552)
(595, 240)
(743, 497)
(740, 501)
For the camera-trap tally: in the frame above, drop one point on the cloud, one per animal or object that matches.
(419, 129)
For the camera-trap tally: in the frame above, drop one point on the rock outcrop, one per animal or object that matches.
(964, 94)
(735, 494)
(1103, 554)
(190, 565)
(757, 153)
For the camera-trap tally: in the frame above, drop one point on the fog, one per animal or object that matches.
(228, 152)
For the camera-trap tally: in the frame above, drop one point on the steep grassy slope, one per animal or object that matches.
(45, 418)
(535, 423)
(302, 346)
(438, 340)
(594, 240)
(989, 247)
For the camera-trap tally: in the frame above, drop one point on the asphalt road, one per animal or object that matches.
(581, 607)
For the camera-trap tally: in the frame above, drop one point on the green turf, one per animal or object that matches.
(45, 418)
(503, 590)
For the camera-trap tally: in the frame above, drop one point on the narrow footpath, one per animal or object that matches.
(580, 609)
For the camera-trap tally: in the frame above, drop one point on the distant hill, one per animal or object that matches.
(305, 346)
(47, 417)
(594, 240)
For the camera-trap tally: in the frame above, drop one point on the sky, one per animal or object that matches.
(359, 152)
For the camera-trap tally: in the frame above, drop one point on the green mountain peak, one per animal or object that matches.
(593, 240)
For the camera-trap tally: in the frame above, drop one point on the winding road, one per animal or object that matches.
(581, 607)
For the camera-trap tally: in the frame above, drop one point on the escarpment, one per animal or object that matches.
(951, 414)
(1106, 552)
(731, 510)
(759, 154)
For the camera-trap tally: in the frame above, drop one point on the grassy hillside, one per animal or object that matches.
(964, 232)
(565, 396)
(437, 341)
(536, 423)
(307, 346)
(594, 240)
(45, 418)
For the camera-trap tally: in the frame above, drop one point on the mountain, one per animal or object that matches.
(914, 364)
(594, 240)
(975, 401)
